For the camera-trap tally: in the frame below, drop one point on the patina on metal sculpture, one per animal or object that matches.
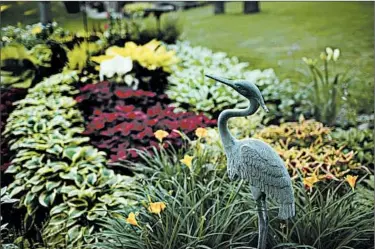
(256, 161)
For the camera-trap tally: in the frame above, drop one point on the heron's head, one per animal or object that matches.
(245, 88)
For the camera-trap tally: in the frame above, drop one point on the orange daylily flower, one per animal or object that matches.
(310, 181)
(156, 207)
(351, 180)
(160, 134)
(201, 132)
(131, 219)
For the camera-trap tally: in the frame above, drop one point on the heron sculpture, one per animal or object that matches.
(255, 161)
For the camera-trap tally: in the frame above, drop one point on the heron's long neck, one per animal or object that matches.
(227, 138)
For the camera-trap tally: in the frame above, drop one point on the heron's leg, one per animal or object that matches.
(261, 224)
(265, 219)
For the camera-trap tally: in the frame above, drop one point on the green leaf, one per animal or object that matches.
(30, 196)
(75, 213)
(67, 189)
(47, 198)
(13, 169)
(74, 234)
(52, 185)
(58, 219)
(17, 190)
(37, 188)
(59, 209)
(91, 178)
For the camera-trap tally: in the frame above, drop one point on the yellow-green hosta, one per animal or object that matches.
(54, 168)
(152, 55)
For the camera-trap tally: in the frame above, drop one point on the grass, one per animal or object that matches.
(277, 37)
(284, 32)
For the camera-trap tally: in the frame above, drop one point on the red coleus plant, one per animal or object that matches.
(8, 96)
(120, 119)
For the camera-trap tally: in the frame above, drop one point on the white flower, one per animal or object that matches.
(118, 65)
(329, 53)
(336, 54)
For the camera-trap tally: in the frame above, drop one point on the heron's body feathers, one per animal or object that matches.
(257, 162)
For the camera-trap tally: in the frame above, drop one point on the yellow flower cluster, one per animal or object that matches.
(152, 55)
(153, 207)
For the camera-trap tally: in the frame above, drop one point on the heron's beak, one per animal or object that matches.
(263, 105)
(221, 80)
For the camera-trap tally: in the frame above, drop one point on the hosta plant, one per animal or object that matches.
(191, 90)
(128, 119)
(21, 67)
(61, 181)
(360, 141)
(149, 63)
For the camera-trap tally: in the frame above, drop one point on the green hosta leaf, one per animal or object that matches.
(63, 207)
(68, 189)
(30, 196)
(47, 198)
(99, 210)
(91, 178)
(56, 150)
(74, 234)
(35, 180)
(37, 188)
(76, 202)
(52, 185)
(58, 220)
(13, 169)
(75, 213)
(71, 175)
(23, 174)
(73, 153)
(17, 190)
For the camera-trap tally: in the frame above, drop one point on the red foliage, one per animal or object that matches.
(119, 119)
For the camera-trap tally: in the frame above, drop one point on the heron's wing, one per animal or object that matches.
(266, 171)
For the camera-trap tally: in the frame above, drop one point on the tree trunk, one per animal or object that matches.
(45, 12)
(251, 7)
(219, 8)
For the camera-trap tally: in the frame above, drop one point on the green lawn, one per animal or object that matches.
(283, 32)
(277, 37)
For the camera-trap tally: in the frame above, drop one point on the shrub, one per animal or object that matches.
(192, 91)
(59, 179)
(307, 149)
(121, 119)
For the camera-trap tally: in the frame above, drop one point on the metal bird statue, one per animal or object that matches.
(256, 161)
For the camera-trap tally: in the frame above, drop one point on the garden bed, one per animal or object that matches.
(118, 146)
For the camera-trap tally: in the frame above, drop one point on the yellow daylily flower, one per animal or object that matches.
(351, 180)
(201, 132)
(131, 219)
(310, 181)
(187, 160)
(36, 30)
(160, 135)
(156, 207)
